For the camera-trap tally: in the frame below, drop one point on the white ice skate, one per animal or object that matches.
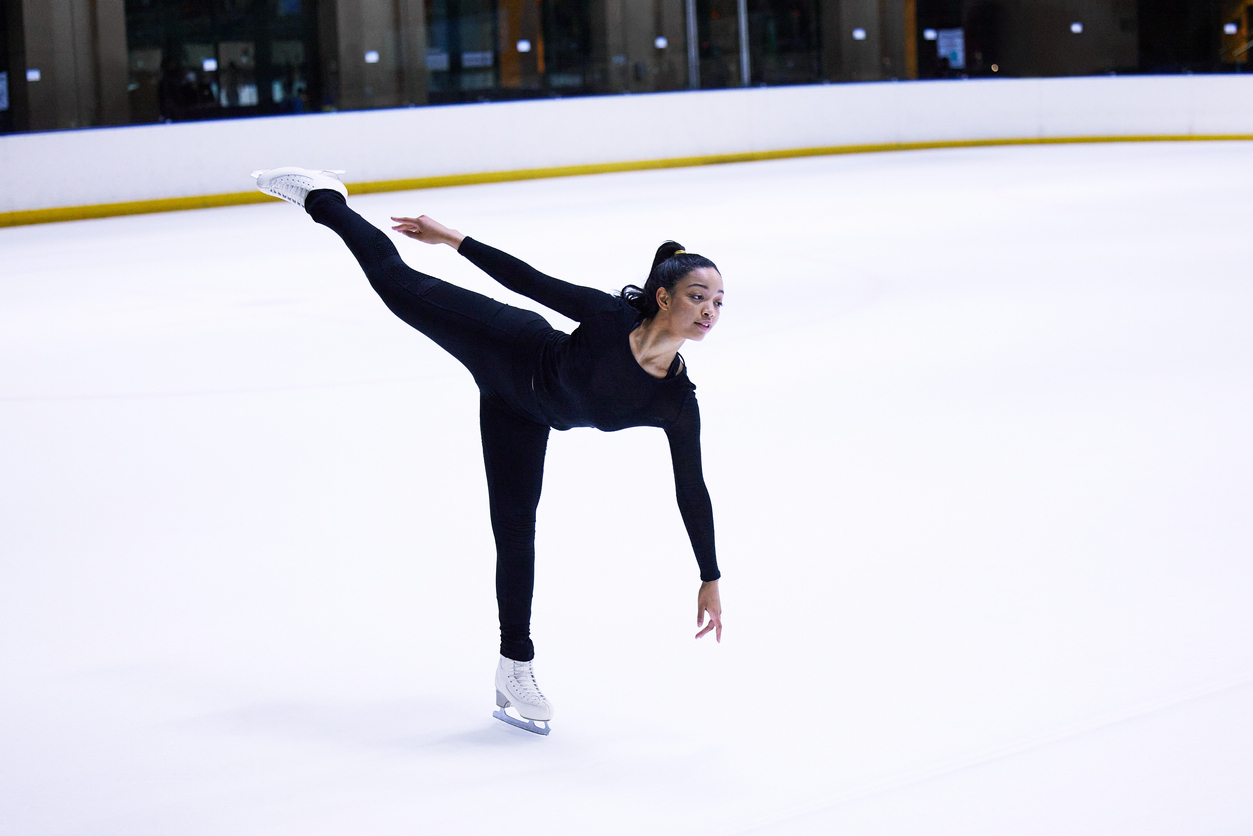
(516, 688)
(294, 184)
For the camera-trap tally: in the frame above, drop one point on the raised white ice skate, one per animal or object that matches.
(294, 184)
(516, 689)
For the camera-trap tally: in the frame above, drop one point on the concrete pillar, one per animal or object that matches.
(609, 53)
(909, 15)
(861, 38)
(518, 22)
(328, 55)
(374, 52)
(625, 54)
(50, 90)
(78, 48)
(1233, 46)
(885, 48)
(892, 37)
(741, 20)
(831, 26)
(111, 62)
(654, 67)
(411, 22)
(693, 46)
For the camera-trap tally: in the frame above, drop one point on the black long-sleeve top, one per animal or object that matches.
(590, 378)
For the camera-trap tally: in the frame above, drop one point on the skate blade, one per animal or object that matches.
(532, 726)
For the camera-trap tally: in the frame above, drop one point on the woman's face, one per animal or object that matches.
(693, 307)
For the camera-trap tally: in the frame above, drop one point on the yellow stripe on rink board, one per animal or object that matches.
(136, 207)
(175, 204)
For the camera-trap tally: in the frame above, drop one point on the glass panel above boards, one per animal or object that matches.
(180, 60)
(213, 59)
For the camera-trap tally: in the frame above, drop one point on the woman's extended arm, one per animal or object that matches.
(572, 300)
(697, 511)
(689, 487)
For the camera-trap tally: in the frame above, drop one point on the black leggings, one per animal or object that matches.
(496, 342)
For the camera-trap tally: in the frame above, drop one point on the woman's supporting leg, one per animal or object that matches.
(491, 340)
(513, 454)
(485, 335)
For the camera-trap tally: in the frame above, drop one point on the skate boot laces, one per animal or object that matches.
(294, 184)
(524, 677)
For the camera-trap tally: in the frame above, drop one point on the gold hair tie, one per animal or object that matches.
(679, 252)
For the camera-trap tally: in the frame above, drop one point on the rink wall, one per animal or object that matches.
(109, 171)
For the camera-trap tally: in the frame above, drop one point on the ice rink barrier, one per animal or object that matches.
(109, 171)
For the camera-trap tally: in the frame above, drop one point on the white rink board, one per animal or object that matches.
(86, 167)
(976, 431)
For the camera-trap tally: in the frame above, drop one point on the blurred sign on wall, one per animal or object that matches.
(951, 44)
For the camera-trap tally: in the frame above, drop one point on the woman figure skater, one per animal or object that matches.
(620, 368)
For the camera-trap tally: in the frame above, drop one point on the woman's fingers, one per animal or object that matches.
(427, 230)
(423, 229)
(708, 601)
(715, 624)
(410, 227)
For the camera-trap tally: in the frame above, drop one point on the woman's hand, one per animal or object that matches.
(428, 231)
(707, 601)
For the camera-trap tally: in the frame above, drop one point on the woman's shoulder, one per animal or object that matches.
(623, 308)
(615, 314)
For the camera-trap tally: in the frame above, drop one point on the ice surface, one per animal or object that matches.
(977, 434)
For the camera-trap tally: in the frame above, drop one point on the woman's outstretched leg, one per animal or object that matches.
(513, 455)
(485, 335)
